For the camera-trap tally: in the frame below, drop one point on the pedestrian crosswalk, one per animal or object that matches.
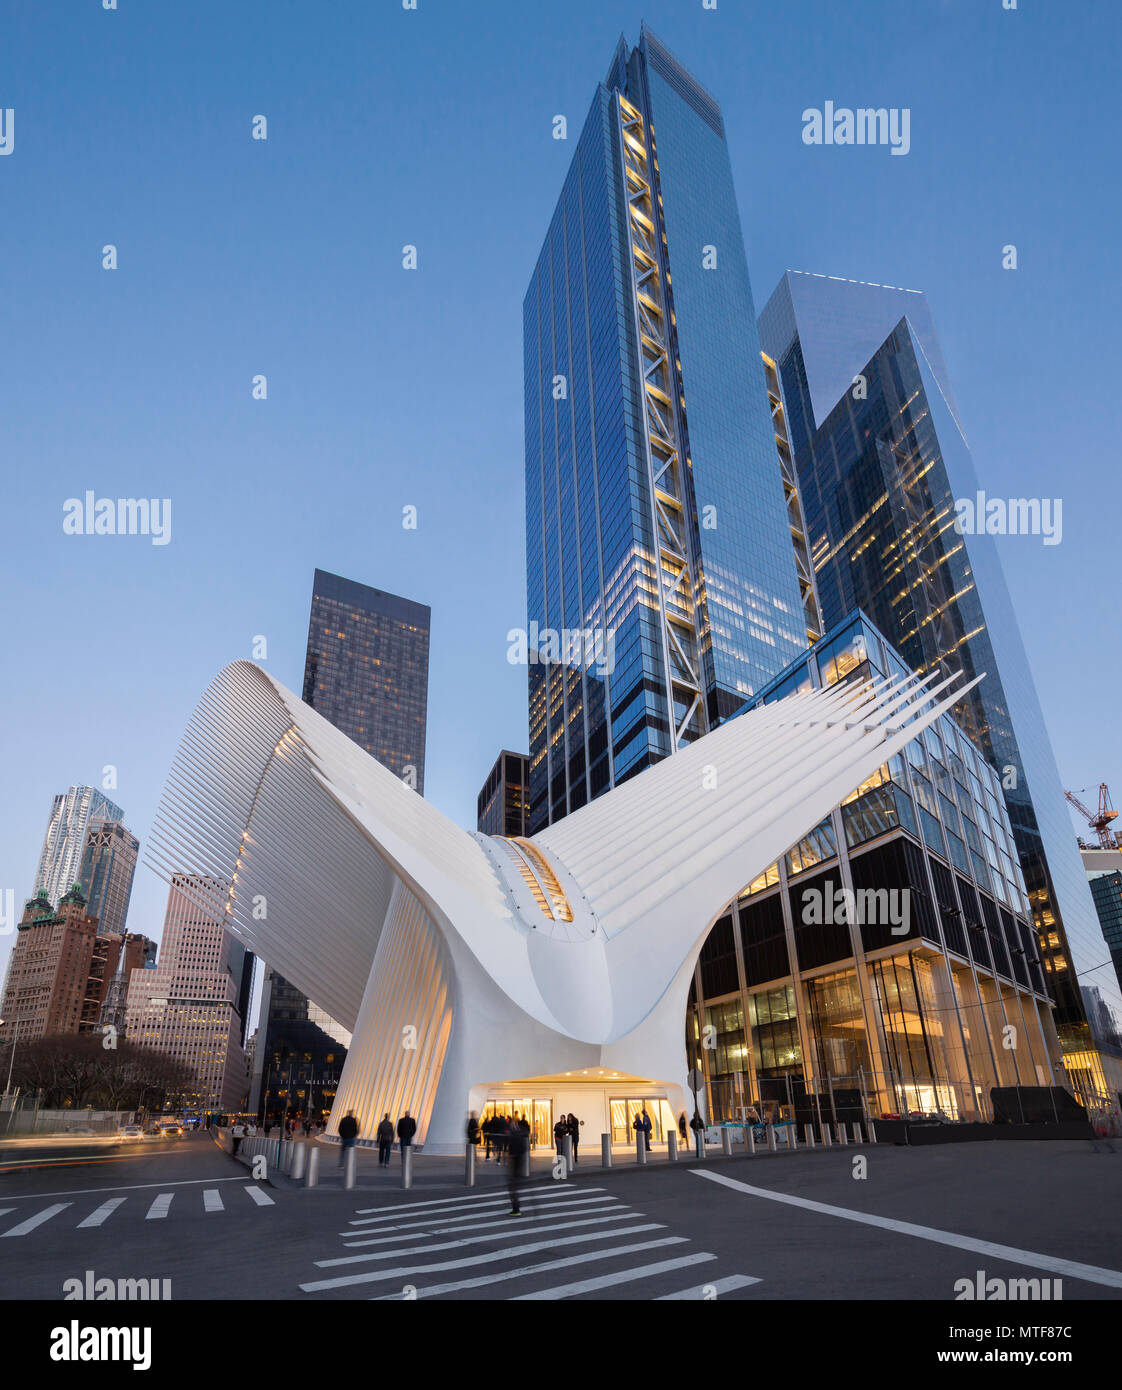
(569, 1242)
(150, 1206)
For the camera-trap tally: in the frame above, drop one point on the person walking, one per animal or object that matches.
(473, 1129)
(682, 1126)
(237, 1134)
(486, 1128)
(348, 1133)
(560, 1129)
(250, 1130)
(499, 1130)
(574, 1134)
(406, 1128)
(517, 1147)
(385, 1141)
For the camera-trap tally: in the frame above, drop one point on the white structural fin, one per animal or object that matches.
(576, 934)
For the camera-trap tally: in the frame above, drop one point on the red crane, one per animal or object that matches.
(1100, 823)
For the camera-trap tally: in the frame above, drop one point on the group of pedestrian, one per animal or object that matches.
(406, 1129)
(641, 1124)
(495, 1132)
(567, 1125)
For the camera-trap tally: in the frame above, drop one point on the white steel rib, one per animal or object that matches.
(456, 959)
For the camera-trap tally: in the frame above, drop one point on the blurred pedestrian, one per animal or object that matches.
(406, 1128)
(574, 1134)
(385, 1140)
(517, 1147)
(348, 1133)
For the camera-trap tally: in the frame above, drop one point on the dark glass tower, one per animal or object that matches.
(501, 805)
(367, 672)
(881, 460)
(655, 507)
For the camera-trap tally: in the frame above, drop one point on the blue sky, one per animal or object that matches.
(389, 388)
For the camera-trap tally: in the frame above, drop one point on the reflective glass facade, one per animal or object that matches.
(655, 509)
(880, 467)
(367, 670)
(901, 1009)
(503, 801)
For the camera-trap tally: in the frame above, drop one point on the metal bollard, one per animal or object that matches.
(827, 1138)
(311, 1178)
(350, 1160)
(842, 1140)
(699, 1144)
(640, 1147)
(771, 1144)
(606, 1150)
(792, 1136)
(750, 1139)
(808, 1130)
(567, 1154)
(672, 1145)
(872, 1131)
(407, 1165)
(299, 1158)
(726, 1141)
(469, 1166)
(856, 1128)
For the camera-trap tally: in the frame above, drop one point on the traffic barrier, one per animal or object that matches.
(311, 1178)
(606, 1150)
(350, 1161)
(808, 1130)
(672, 1145)
(299, 1158)
(469, 1166)
(406, 1165)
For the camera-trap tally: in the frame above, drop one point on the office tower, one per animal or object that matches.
(881, 461)
(502, 802)
(302, 1062)
(59, 971)
(903, 1010)
(64, 844)
(1104, 873)
(188, 1006)
(367, 671)
(662, 589)
(106, 872)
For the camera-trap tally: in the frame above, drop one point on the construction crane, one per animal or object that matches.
(1100, 823)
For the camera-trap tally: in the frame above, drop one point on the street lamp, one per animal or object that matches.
(12, 1058)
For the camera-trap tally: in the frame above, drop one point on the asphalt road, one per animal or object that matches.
(801, 1226)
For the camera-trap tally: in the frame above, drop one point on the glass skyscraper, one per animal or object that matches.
(107, 871)
(657, 523)
(72, 813)
(367, 670)
(881, 459)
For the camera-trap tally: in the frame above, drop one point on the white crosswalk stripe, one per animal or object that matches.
(37, 1220)
(623, 1276)
(718, 1286)
(399, 1246)
(160, 1208)
(101, 1215)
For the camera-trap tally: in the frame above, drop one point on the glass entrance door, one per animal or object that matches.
(536, 1112)
(626, 1110)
